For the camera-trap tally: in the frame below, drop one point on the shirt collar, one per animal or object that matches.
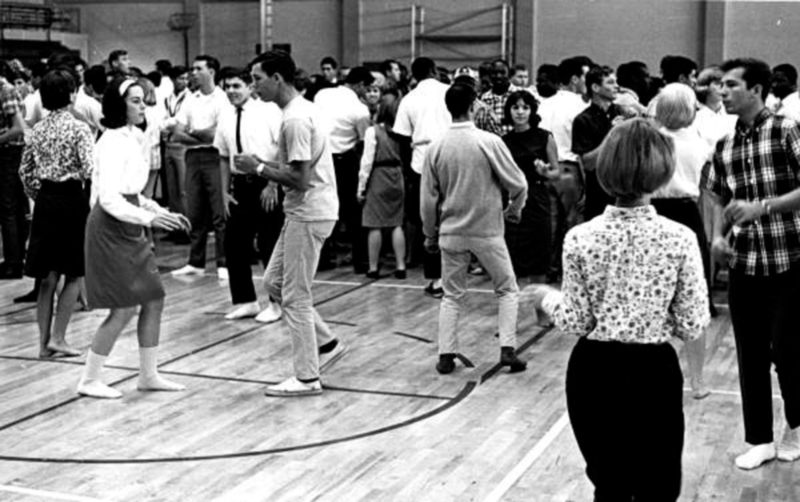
(629, 213)
(463, 125)
(758, 121)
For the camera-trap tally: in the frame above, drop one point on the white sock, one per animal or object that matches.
(756, 456)
(90, 384)
(149, 379)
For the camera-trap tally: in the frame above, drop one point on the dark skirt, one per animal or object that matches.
(530, 241)
(57, 230)
(121, 266)
(384, 200)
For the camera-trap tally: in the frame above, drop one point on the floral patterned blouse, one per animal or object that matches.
(632, 276)
(59, 148)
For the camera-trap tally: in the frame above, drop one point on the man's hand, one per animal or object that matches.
(513, 217)
(739, 212)
(227, 200)
(432, 244)
(721, 251)
(246, 163)
(269, 198)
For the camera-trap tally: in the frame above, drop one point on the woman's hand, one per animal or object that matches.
(171, 222)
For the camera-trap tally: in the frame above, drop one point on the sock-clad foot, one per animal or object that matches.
(270, 314)
(446, 364)
(96, 388)
(510, 359)
(158, 383)
(61, 349)
(293, 387)
(756, 456)
(789, 449)
(243, 311)
(149, 379)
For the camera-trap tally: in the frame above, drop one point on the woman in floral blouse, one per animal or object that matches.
(633, 280)
(56, 162)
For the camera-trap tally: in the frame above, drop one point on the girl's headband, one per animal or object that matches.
(123, 88)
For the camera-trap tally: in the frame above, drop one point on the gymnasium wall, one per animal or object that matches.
(766, 30)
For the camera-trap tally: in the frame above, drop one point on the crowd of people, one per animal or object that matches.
(622, 187)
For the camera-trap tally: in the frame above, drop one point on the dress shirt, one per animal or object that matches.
(714, 125)
(692, 153)
(34, 111)
(557, 113)
(259, 130)
(755, 164)
(120, 168)
(631, 276)
(202, 111)
(423, 116)
(347, 115)
(497, 103)
(59, 148)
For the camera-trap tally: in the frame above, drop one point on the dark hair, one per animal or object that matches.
(211, 62)
(466, 80)
(20, 74)
(788, 70)
(549, 74)
(229, 72)
(302, 80)
(5, 69)
(387, 112)
(329, 60)
(529, 100)
(634, 76)
(38, 69)
(275, 61)
(77, 60)
(56, 89)
(154, 77)
(95, 78)
(61, 59)
(176, 71)
(116, 54)
(423, 68)
(459, 99)
(163, 66)
(359, 75)
(570, 67)
(596, 76)
(386, 65)
(115, 109)
(673, 67)
(756, 72)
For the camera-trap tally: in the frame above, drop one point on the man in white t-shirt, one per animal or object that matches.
(306, 172)
(196, 127)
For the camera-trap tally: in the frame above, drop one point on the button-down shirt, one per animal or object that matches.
(485, 119)
(497, 102)
(632, 276)
(755, 164)
(59, 148)
(591, 126)
(10, 105)
(557, 113)
(259, 130)
(348, 116)
(423, 116)
(202, 112)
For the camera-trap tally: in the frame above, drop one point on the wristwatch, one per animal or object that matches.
(260, 169)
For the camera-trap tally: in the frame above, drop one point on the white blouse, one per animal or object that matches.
(121, 167)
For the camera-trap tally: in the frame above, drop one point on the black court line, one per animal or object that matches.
(18, 311)
(466, 362)
(342, 323)
(522, 348)
(465, 391)
(413, 337)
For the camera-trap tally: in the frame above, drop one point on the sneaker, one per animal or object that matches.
(293, 387)
(270, 314)
(187, 270)
(222, 273)
(756, 456)
(329, 356)
(433, 291)
(244, 311)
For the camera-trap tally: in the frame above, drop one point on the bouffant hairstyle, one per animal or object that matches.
(677, 106)
(635, 159)
(115, 109)
(527, 98)
(56, 88)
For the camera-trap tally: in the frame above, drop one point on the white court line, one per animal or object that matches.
(734, 393)
(531, 457)
(47, 494)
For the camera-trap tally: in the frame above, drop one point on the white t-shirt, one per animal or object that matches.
(423, 116)
(348, 116)
(203, 111)
(557, 113)
(692, 152)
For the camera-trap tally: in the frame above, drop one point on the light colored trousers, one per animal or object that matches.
(288, 279)
(493, 255)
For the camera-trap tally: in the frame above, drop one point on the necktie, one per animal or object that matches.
(239, 130)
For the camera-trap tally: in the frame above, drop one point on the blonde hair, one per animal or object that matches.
(677, 106)
(635, 159)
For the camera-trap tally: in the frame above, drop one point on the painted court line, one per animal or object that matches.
(531, 457)
(47, 494)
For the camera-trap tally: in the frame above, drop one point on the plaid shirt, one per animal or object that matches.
(757, 164)
(497, 101)
(485, 119)
(10, 105)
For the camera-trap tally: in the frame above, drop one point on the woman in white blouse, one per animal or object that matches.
(633, 280)
(121, 272)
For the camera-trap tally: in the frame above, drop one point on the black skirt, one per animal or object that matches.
(384, 196)
(57, 230)
(121, 266)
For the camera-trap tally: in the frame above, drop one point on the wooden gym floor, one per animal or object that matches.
(388, 427)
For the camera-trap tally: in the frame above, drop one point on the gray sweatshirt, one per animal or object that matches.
(462, 178)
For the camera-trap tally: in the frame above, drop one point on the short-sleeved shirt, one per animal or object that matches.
(755, 164)
(349, 117)
(305, 138)
(557, 113)
(203, 111)
(259, 131)
(10, 106)
(422, 115)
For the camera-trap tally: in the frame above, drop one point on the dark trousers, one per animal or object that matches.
(568, 195)
(764, 316)
(431, 262)
(687, 212)
(13, 206)
(347, 165)
(625, 403)
(205, 204)
(596, 197)
(248, 222)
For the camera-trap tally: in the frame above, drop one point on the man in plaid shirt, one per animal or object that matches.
(13, 203)
(500, 91)
(754, 175)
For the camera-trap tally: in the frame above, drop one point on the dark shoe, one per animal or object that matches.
(713, 310)
(510, 359)
(29, 297)
(360, 268)
(8, 271)
(446, 364)
(373, 274)
(400, 274)
(433, 292)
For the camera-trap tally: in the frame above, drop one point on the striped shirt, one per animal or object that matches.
(755, 164)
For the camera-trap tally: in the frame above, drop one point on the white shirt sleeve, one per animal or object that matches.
(367, 158)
